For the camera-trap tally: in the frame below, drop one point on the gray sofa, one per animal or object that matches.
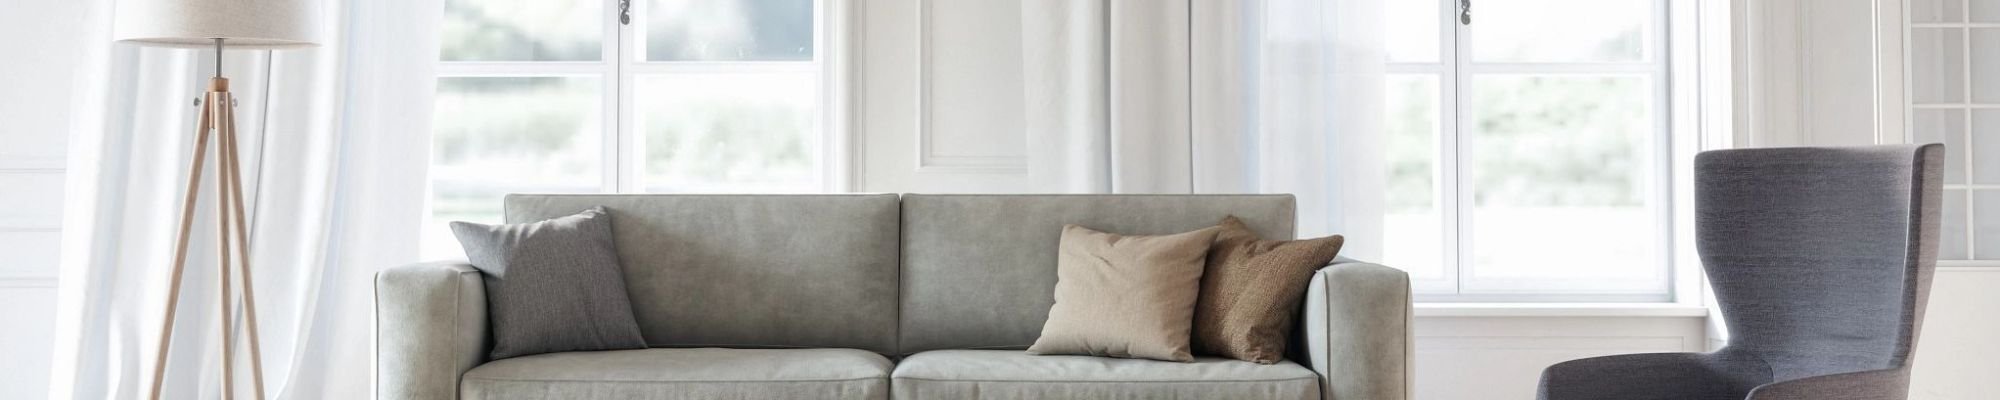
(874, 297)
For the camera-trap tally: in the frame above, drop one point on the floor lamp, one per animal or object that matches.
(242, 24)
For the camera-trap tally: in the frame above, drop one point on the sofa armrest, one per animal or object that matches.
(430, 327)
(1357, 331)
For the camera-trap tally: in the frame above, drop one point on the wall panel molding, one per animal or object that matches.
(932, 159)
(7, 283)
(41, 206)
(1817, 72)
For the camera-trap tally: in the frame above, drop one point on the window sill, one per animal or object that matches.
(1559, 310)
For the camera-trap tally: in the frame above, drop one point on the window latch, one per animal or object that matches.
(624, 12)
(1465, 12)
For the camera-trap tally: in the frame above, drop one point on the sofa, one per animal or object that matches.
(874, 296)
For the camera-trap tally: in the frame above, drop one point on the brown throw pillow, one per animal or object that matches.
(1124, 296)
(1251, 291)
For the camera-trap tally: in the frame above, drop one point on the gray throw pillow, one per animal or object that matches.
(552, 286)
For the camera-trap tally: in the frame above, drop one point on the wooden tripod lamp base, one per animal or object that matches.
(218, 126)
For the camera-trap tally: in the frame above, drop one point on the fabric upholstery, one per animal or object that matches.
(1250, 291)
(1891, 383)
(1655, 376)
(979, 270)
(1006, 374)
(751, 270)
(1356, 331)
(1821, 260)
(667, 374)
(1125, 296)
(430, 327)
(552, 285)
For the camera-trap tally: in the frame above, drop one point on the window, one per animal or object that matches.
(1529, 149)
(1955, 103)
(690, 96)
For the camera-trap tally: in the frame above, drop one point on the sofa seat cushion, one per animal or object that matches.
(705, 373)
(1006, 374)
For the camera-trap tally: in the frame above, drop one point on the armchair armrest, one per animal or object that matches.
(1357, 331)
(430, 327)
(1661, 376)
(1863, 385)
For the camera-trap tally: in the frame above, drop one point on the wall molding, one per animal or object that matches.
(13, 163)
(928, 160)
(1804, 77)
(27, 283)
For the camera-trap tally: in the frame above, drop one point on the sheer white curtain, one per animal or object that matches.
(1288, 99)
(334, 143)
(1106, 92)
(1215, 96)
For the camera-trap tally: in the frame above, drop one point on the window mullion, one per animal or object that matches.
(622, 173)
(1457, 193)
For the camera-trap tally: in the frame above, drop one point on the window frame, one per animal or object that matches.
(623, 62)
(1678, 56)
(1969, 189)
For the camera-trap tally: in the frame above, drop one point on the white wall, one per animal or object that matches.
(34, 119)
(1958, 355)
(1469, 357)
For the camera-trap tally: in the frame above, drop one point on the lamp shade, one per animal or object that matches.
(253, 24)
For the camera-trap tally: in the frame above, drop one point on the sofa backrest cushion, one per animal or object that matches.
(750, 270)
(979, 271)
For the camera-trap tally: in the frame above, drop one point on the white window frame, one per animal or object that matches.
(1683, 43)
(1970, 187)
(623, 62)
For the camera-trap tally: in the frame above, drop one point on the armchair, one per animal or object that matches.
(1821, 260)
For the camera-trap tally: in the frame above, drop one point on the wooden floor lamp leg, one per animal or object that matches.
(180, 254)
(234, 163)
(218, 106)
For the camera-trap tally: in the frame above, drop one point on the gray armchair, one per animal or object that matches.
(1821, 259)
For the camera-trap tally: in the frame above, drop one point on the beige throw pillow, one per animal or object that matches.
(1251, 291)
(1125, 296)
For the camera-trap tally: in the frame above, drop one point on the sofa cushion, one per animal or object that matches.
(1125, 296)
(979, 271)
(816, 271)
(705, 373)
(1251, 289)
(1005, 374)
(552, 285)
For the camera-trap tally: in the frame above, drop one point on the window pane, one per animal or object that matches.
(1413, 31)
(1551, 30)
(729, 132)
(1986, 224)
(1953, 244)
(1985, 138)
(1983, 10)
(1413, 225)
(513, 30)
(1937, 11)
(1985, 59)
(1561, 177)
(729, 30)
(1948, 127)
(1937, 65)
(494, 136)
